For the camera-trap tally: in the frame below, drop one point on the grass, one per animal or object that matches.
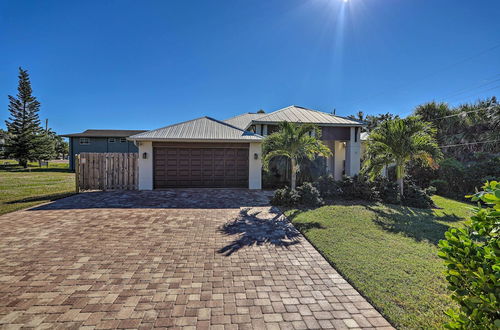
(389, 253)
(21, 188)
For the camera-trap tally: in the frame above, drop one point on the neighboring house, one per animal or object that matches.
(100, 140)
(207, 152)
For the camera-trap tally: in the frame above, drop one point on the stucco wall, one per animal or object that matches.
(255, 166)
(145, 166)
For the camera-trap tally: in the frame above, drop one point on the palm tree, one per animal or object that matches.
(295, 142)
(398, 141)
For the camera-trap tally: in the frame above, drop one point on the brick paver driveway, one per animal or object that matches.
(175, 258)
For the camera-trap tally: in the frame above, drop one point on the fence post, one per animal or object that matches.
(77, 173)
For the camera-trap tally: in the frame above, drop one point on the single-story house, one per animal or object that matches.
(206, 152)
(100, 140)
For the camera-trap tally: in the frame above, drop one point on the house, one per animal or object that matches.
(100, 140)
(206, 152)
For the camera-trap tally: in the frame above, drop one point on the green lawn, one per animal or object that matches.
(389, 253)
(21, 188)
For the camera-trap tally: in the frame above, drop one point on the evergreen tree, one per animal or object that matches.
(25, 136)
(61, 146)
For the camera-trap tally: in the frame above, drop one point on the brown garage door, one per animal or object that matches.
(200, 165)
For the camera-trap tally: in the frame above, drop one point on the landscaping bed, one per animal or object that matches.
(389, 253)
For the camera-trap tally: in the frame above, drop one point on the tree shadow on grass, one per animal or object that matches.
(419, 224)
(303, 227)
(255, 228)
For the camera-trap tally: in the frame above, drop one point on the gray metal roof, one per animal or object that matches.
(243, 121)
(105, 133)
(204, 128)
(296, 114)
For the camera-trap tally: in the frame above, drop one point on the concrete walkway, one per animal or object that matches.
(219, 258)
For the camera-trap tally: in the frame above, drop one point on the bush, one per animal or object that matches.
(414, 196)
(358, 187)
(453, 172)
(328, 187)
(306, 194)
(285, 197)
(388, 191)
(441, 186)
(472, 260)
(309, 195)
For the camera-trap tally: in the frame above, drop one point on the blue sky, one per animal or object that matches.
(146, 64)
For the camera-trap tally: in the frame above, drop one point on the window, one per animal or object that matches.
(84, 141)
(111, 140)
(123, 140)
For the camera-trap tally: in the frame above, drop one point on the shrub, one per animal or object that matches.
(358, 187)
(328, 187)
(472, 260)
(453, 172)
(441, 186)
(415, 196)
(285, 197)
(309, 195)
(388, 191)
(306, 194)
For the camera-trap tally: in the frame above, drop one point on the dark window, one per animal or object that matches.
(84, 141)
(272, 129)
(111, 140)
(123, 140)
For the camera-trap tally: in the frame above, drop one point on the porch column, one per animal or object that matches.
(353, 153)
(145, 165)
(329, 159)
(338, 159)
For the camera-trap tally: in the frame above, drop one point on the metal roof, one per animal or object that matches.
(105, 133)
(204, 128)
(243, 121)
(296, 114)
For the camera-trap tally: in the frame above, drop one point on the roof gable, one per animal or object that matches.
(204, 128)
(105, 133)
(244, 120)
(296, 114)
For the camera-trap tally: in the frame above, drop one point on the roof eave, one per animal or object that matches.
(258, 140)
(319, 124)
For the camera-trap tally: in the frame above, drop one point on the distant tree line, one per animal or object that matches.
(468, 136)
(25, 139)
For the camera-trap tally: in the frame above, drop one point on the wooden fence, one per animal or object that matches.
(106, 171)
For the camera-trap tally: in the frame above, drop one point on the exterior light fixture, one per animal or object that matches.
(255, 156)
(144, 155)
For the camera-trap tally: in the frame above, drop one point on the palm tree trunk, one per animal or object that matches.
(400, 177)
(294, 174)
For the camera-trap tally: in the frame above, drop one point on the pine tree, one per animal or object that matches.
(23, 126)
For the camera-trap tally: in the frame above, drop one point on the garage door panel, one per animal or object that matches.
(200, 167)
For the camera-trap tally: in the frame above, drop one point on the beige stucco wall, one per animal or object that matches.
(353, 153)
(145, 165)
(255, 166)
